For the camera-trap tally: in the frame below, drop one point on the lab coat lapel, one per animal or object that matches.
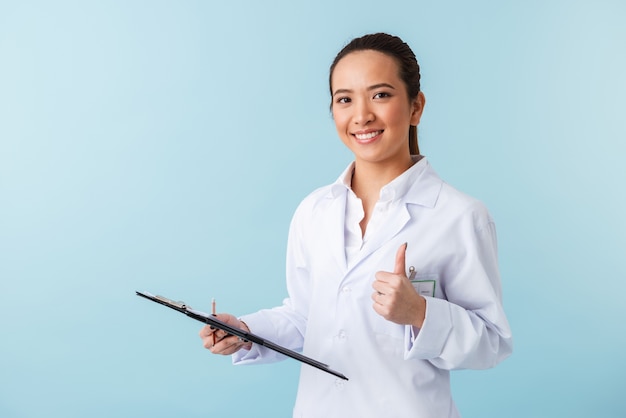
(423, 190)
(424, 186)
(395, 223)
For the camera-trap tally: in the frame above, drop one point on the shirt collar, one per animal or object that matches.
(398, 187)
(343, 183)
(420, 172)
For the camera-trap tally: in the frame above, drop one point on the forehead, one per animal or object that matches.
(365, 67)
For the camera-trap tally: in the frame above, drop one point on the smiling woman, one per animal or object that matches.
(439, 308)
(372, 110)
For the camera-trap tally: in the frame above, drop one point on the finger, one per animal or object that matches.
(207, 341)
(377, 298)
(226, 345)
(206, 331)
(400, 266)
(217, 335)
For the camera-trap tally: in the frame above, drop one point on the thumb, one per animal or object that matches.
(400, 266)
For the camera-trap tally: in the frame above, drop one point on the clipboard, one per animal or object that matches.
(245, 336)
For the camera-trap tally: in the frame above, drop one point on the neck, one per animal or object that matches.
(368, 178)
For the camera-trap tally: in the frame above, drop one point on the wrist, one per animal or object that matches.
(418, 322)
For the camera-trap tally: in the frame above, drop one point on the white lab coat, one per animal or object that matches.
(393, 370)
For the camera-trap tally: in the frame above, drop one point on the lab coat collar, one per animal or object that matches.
(418, 185)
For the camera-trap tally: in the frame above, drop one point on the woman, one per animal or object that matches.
(392, 274)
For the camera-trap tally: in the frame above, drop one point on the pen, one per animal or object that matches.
(213, 312)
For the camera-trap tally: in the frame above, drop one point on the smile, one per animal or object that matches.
(367, 136)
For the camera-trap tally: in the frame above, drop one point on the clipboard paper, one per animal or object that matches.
(245, 336)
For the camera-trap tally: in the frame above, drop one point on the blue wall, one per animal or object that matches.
(163, 146)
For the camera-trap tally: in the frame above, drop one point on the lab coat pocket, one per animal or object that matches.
(388, 336)
(392, 345)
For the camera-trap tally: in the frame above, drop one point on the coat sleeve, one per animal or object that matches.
(467, 329)
(286, 324)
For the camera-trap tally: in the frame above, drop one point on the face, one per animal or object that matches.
(371, 108)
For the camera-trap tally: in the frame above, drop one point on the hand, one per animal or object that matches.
(225, 343)
(395, 298)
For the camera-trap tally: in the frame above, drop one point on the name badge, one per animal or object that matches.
(424, 284)
(425, 287)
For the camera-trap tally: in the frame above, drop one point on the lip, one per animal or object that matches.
(367, 136)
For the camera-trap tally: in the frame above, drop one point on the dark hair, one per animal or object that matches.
(404, 56)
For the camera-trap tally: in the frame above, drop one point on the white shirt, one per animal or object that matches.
(393, 370)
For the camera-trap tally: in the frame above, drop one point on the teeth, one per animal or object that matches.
(370, 135)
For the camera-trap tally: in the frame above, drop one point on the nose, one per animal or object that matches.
(362, 113)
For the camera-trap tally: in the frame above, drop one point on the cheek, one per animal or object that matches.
(341, 121)
(397, 117)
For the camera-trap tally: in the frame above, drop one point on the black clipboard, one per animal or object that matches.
(246, 336)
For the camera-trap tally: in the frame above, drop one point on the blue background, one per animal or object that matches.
(163, 146)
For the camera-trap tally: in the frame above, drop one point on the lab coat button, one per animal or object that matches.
(346, 289)
(341, 335)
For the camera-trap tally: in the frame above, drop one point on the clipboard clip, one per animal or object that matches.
(175, 304)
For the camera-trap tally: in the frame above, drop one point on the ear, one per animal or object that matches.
(418, 107)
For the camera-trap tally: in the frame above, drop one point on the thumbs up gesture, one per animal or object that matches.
(395, 298)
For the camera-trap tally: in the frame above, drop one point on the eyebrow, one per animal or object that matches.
(373, 87)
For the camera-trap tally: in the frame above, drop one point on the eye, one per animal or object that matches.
(382, 95)
(343, 100)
